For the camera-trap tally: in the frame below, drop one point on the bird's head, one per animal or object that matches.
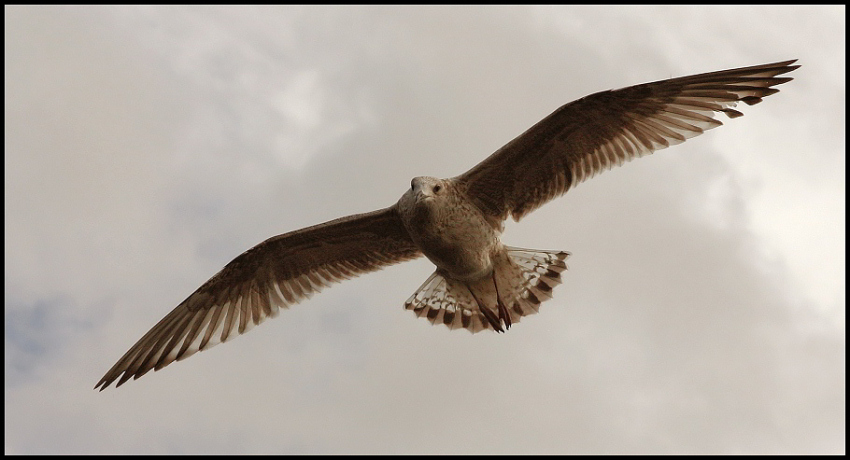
(423, 194)
(424, 187)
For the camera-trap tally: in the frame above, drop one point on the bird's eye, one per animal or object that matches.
(411, 184)
(437, 188)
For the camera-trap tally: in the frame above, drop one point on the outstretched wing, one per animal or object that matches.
(608, 128)
(276, 273)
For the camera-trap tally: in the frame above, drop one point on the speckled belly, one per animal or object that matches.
(460, 242)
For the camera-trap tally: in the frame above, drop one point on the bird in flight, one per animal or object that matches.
(479, 283)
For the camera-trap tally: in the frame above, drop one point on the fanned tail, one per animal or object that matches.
(522, 279)
(540, 271)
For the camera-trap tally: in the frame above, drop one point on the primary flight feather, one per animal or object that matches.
(479, 283)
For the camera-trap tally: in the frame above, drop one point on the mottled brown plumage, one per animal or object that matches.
(479, 283)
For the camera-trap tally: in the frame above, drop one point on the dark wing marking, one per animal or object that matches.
(276, 273)
(608, 128)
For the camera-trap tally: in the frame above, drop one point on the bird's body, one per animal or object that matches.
(449, 230)
(479, 283)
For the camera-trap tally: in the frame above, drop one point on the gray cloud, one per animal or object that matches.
(703, 310)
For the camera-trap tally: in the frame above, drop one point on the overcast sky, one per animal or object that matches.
(145, 147)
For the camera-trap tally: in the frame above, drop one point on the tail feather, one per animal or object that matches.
(540, 273)
(446, 301)
(522, 279)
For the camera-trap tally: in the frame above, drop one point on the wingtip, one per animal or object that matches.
(106, 381)
(784, 64)
(788, 67)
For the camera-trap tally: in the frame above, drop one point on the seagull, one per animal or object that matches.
(479, 283)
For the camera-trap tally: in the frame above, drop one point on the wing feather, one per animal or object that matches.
(274, 274)
(605, 129)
